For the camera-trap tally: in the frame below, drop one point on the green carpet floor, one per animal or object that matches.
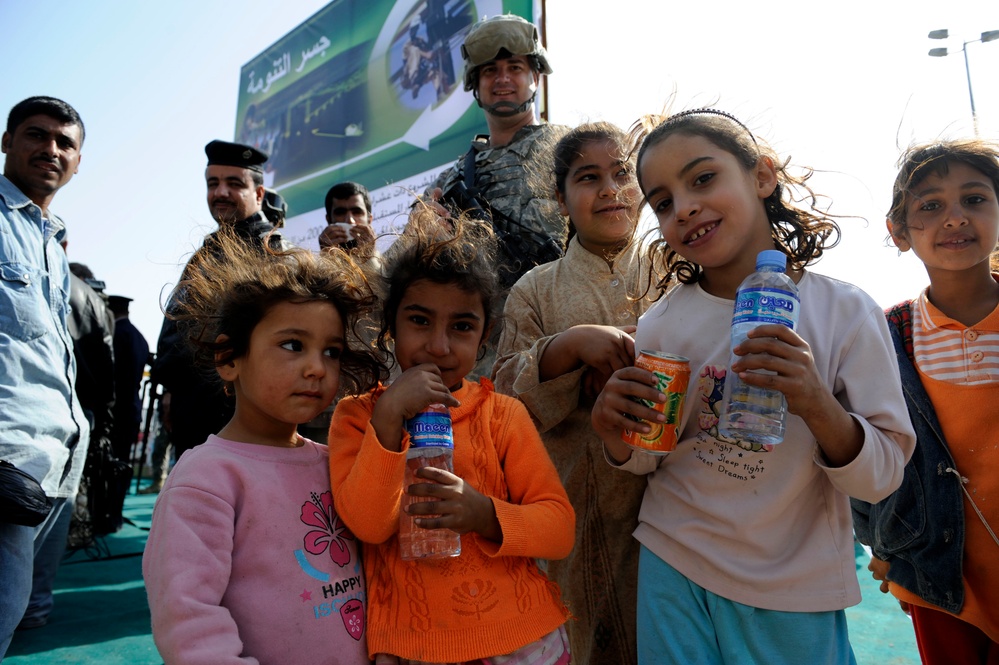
(101, 616)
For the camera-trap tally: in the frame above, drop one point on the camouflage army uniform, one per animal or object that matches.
(503, 176)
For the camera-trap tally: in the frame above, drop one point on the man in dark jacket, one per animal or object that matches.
(91, 325)
(193, 404)
(131, 352)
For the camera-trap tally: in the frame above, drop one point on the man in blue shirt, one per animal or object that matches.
(43, 431)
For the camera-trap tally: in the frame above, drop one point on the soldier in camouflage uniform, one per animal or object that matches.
(504, 62)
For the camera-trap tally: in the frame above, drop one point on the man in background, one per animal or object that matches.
(348, 219)
(494, 181)
(131, 353)
(504, 63)
(192, 405)
(91, 325)
(43, 431)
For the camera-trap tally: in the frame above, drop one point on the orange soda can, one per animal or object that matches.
(673, 376)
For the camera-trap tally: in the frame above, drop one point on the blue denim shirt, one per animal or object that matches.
(40, 417)
(919, 529)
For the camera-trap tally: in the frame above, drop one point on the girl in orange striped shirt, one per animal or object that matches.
(934, 540)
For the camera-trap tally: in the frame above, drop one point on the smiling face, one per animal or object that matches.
(506, 83)
(290, 373)
(43, 154)
(232, 194)
(709, 207)
(951, 220)
(440, 324)
(601, 197)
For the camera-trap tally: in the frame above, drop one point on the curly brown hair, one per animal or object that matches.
(799, 227)
(229, 286)
(459, 251)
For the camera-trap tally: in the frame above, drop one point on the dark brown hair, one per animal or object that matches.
(921, 161)
(570, 148)
(458, 251)
(229, 285)
(799, 228)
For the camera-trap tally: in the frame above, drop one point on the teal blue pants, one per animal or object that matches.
(682, 623)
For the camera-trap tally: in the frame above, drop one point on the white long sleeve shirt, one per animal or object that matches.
(772, 528)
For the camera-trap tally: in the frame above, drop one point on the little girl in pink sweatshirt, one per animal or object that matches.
(247, 560)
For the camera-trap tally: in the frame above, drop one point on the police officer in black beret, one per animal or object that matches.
(235, 180)
(193, 406)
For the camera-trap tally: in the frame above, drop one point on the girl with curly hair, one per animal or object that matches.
(491, 603)
(247, 559)
(747, 549)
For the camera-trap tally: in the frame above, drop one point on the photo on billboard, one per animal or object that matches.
(368, 91)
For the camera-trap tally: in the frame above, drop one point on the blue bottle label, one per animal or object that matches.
(430, 430)
(766, 305)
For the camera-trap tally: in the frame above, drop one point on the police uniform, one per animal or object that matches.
(198, 406)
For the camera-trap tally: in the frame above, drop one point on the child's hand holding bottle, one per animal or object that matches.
(458, 505)
(415, 389)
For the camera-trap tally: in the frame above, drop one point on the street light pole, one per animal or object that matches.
(971, 95)
(987, 36)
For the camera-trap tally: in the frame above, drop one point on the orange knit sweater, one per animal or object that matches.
(492, 599)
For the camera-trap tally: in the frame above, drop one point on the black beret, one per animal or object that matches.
(119, 303)
(224, 153)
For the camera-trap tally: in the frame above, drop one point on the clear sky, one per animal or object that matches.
(837, 86)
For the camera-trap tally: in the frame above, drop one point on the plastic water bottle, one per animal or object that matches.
(430, 444)
(748, 413)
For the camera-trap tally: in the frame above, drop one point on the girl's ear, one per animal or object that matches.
(484, 342)
(765, 176)
(563, 209)
(898, 237)
(227, 371)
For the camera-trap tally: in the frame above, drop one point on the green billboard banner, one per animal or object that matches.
(364, 90)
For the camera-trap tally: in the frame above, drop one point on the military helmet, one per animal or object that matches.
(505, 32)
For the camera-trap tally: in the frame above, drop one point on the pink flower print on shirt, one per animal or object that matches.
(329, 533)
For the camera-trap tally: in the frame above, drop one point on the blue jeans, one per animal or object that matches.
(682, 623)
(29, 560)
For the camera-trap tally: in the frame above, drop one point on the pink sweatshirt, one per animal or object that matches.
(248, 562)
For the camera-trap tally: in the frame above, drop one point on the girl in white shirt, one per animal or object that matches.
(747, 550)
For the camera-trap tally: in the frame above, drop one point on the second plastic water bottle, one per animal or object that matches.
(430, 444)
(749, 413)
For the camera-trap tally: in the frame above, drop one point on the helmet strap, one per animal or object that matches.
(502, 110)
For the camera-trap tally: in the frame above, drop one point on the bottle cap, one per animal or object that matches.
(771, 257)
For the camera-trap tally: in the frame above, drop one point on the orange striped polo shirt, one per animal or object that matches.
(959, 368)
(949, 351)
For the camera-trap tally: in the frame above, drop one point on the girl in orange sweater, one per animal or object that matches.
(504, 497)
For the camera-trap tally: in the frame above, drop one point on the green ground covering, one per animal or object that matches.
(101, 616)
